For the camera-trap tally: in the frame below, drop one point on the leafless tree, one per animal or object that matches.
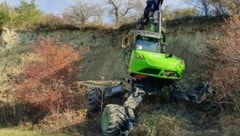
(216, 7)
(120, 9)
(82, 12)
(231, 6)
(219, 9)
(203, 5)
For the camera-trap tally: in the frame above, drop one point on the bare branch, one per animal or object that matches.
(83, 12)
(121, 10)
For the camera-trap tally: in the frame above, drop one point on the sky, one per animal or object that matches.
(58, 6)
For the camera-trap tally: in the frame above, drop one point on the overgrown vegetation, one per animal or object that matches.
(25, 15)
(45, 90)
(47, 84)
(4, 13)
(224, 61)
(224, 73)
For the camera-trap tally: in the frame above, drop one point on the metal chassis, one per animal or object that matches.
(138, 90)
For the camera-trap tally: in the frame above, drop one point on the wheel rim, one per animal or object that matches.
(105, 121)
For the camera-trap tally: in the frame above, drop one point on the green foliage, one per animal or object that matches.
(27, 14)
(4, 13)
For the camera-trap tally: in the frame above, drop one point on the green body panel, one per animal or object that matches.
(156, 64)
(105, 120)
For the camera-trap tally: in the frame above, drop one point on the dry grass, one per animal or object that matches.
(158, 123)
(230, 125)
(19, 132)
(62, 121)
(224, 73)
(224, 62)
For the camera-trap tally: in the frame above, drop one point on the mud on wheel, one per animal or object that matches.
(95, 99)
(114, 120)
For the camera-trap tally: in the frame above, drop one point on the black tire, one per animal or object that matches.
(114, 120)
(95, 99)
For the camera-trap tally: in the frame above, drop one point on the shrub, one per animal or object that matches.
(224, 62)
(47, 86)
(53, 21)
(27, 14)
(4, 13)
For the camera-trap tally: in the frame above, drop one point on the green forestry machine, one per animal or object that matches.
(149, 69)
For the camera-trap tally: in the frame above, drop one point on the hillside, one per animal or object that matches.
(103, 64)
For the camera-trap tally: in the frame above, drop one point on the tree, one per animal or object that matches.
(203, 5)
(219, 9)
(4, 13)
(230, 6)
(83, 12)
(27, 13)
(120, 9)
(216, 7)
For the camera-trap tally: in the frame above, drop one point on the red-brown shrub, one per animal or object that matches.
(48, 79)
(224, 63)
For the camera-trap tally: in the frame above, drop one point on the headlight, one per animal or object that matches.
(139, 57)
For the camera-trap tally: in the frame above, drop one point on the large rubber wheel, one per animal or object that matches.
(114, 120)
(95, 99)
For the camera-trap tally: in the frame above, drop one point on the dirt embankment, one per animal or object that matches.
(104, 61)
(186, 39)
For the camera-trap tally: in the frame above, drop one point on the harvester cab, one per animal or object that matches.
(145, 49)
(145, 56)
